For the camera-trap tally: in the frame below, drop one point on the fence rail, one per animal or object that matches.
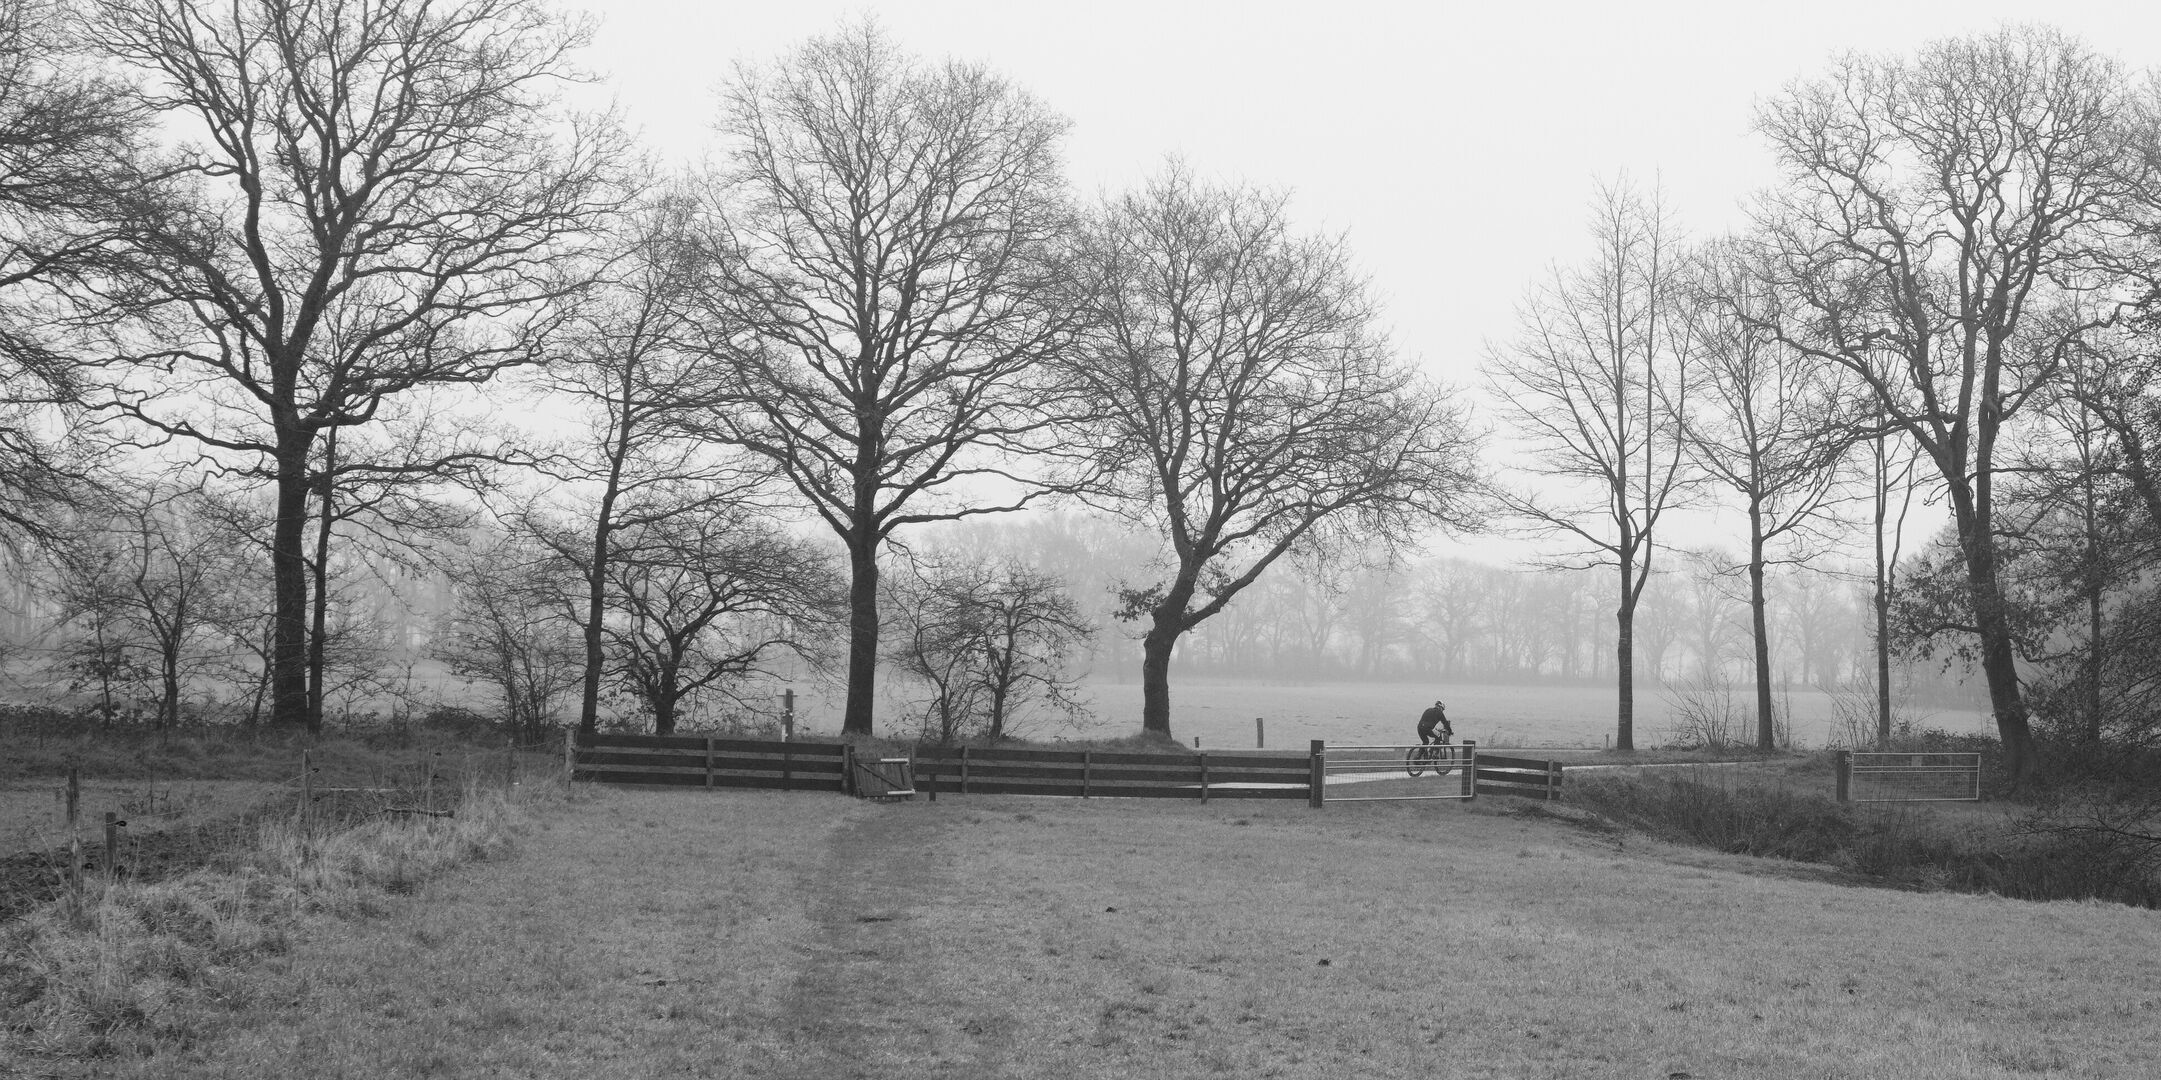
(703, 761)
(1865, 776)
(1527, 778)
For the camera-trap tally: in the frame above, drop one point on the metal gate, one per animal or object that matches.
(1399, 773)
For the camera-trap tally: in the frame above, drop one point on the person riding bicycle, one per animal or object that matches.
(1435, 719)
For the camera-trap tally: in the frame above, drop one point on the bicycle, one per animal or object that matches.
(1439, 757)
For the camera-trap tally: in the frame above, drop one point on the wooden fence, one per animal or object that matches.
(979, 770)
(707, 761)
(1528, 778)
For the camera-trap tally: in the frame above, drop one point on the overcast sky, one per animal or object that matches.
(1457, 144)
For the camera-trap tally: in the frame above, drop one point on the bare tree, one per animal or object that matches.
(1767, 425)
(991, 638)
(886, 238)
(635, 365)
(511, 627)
(706, 597)
(1930, 204)
(141, 578)
(1595, 385)
(384, 199)
(1249, 405)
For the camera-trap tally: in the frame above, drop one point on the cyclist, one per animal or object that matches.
(1432, 720)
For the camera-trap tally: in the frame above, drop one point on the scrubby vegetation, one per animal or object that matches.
(2075, 844)
(119, 963)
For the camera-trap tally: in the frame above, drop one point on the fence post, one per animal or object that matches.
(1845, 774)
(75, 834)
(787, 766)
(1260, 734)
(787, 715)
(847, 768)
(1553, 780)
(964, 770)
(570, 756)
(112, 844)
(1317, 774)
(307, 786)
(1204, 776)
(510, 764)
(930, 779)
(1470, 768)
(1085, 756)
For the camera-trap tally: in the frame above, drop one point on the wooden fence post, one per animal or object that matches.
(1317, 774)
(1470, 766)
(112, 845)
(75, 834)
(570, 756)
(708, 761)
(1085, 756)
(1845, 775)
(1204, 776)
(307, 786)
(964, 770)
(847, 769)
(1553, 780)
(787, 766)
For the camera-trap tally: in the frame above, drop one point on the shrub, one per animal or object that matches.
(2093, 848)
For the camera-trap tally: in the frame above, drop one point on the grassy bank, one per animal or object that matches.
(792, 935)
(1962, 846)
(124, 969)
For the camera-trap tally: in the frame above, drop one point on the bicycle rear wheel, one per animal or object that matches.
(1415, 761)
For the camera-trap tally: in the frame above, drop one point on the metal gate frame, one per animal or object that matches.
(1380, 762)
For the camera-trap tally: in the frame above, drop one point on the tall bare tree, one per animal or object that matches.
(887, 233)
(1595, 385)
(1765, 424)
(385, 198)
(1931, 204)
(1248, 404)
(642, 370)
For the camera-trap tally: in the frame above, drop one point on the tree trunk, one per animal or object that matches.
(664, 702)
(289, 577)
(169, 662)
(1883, 607)
(1766, 730)
(1624, 659)
(862, 632)
(595, 610)
(319, 634)
(1998, 660)
(1156, 676)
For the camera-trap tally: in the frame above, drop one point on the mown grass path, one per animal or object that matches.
(793, 936)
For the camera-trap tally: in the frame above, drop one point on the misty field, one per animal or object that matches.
(792, 935)
(1221, 712)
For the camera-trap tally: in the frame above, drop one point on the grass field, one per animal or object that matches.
(1221, 712)
(646, 934)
